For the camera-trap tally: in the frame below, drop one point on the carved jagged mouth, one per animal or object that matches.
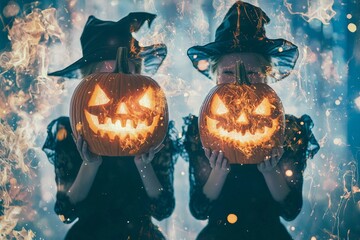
(259, 136)
(122, 131)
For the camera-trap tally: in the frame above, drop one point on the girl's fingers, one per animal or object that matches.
(151, 154)
(85, 149)
(207, 152)
(73, 137)
(158, 149)
(224, 164)
(212, 158)
(219, 159)
(267, 163)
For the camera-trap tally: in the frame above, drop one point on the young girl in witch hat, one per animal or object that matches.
(246, 201)
(111, 198)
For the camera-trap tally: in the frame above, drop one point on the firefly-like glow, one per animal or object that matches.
(352, 27)
(203, 65)
(357, 102)
(289, 173)
(232, 218)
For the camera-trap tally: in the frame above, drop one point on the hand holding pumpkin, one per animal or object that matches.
(146, 158)
(270, 162)
(218, 162)
(87, 156)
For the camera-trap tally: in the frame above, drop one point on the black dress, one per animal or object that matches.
(245, 193)
(117, 206)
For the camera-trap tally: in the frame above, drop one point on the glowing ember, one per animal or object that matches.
(289, 173)
(321, 10)
(338, 141)
(357, 102)
(352, 27)
(232, 218)
(11, 9)
(203, 65)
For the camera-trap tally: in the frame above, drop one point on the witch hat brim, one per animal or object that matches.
(101, 39)
(282, 54)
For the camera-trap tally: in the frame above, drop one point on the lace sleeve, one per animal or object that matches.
(199, 169)
(300, 145)
(163, 164)
(62, 153)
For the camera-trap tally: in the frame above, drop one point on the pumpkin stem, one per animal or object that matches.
(240, 74)
(121, 62)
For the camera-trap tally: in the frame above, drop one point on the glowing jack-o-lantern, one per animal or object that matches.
(245, 121)
(119, 114)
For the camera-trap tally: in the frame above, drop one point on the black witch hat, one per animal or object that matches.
(242, 30)
(101, 39)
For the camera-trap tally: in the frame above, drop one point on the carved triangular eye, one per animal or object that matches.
(218, 107)
(147, 100)
(98, 97)
(264, 108)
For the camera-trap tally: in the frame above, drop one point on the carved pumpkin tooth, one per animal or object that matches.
(101, 119)
(150, 122)
(252, 130)
(135, 123)
(123, 122)
(128, 124)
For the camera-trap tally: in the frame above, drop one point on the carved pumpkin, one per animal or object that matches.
(119, 114)
(245, 121)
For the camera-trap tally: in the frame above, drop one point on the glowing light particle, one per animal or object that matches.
(289, 173)
(62, 218)
(313, 238)
(357, 102)
(292, 228)
(349, 16)
(61, 134)
(327, 113)
(281, 49)
(232, 218)
(352, 27)
(337, 141)
(337, 102)
(203, 65)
